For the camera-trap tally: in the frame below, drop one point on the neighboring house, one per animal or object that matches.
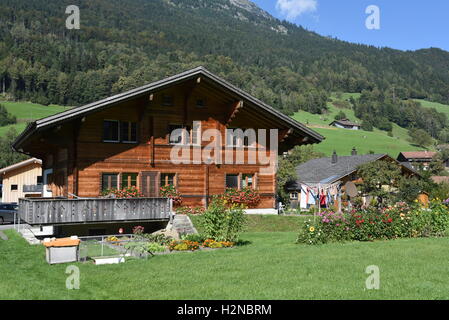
(22, 180)
(329, 175)
(345, 124)
(124, 140)
(417, 159)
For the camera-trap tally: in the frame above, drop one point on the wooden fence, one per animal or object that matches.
(42, 211)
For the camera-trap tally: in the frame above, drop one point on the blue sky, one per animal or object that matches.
(404, 24)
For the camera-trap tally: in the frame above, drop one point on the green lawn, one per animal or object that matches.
(271, 266)
(438, 106)
(263, 223)
(26, 112)
(343, 140)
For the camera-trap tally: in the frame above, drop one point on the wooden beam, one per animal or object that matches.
(285, 134)
(238, 105)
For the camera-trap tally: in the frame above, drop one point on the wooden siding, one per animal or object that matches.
(26, 175)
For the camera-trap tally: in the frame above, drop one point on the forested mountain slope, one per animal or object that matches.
(124, 44)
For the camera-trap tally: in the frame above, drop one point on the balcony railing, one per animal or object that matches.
(42, 211)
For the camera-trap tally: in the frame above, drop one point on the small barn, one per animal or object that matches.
(345, 124)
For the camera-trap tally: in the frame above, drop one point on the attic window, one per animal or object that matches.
(111, 130)
(200, 103)
(167, 100)
(129, 131)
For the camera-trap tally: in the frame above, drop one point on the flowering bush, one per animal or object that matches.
(129, 192)
(246, 196)
(183, 245)
(396, 221)
(210, 243)
(170, 192)
(190, 210)
(138, 230)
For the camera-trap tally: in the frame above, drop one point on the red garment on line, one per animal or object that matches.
(322, 200)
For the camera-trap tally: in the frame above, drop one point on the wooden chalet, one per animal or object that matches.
(123, 140)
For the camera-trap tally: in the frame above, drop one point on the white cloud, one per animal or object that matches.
(292, 9)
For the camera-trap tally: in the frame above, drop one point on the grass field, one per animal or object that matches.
(26, 112)
(263, 223)
(271, 266)
(438, 106)
(342, 140)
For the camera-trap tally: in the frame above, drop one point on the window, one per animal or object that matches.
(109, 181)
(129, 180)
(167, 100)
(129, 131)
(168, 179)
(116, 131)
(200, 103)
(247, 180)
(14, 187)
(39, 180)
(294, 196)
(111, 131)
(232, 181)
(179, 136)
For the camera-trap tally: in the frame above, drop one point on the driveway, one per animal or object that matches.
(6, 226)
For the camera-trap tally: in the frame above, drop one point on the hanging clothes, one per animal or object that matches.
(312, 198)
(323, 203)
(304, 197)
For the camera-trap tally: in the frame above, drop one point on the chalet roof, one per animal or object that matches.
(346, 122)
(81, 111)
(322, 170)
(418, 154)
(20, 165)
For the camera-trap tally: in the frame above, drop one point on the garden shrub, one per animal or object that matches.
(223, 221)
(198, 237)
(158, 238)
(155, 247)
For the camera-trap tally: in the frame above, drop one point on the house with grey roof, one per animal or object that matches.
(332, 173)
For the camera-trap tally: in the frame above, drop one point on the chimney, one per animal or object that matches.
(354, 152)
(334, 157)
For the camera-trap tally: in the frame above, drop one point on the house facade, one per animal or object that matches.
(128, 140)
(418, 159)
(22, 180)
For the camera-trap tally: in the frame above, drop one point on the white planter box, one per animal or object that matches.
(62, 254)
(108, 260)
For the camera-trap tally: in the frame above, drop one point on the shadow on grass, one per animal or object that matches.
(242, 243)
